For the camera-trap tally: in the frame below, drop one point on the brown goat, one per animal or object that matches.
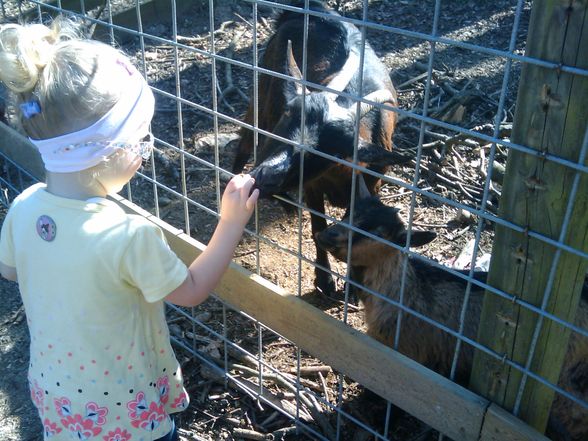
(439, 295)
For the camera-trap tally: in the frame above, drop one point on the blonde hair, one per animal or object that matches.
(69, 76)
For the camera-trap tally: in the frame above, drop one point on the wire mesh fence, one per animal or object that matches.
(456, 68)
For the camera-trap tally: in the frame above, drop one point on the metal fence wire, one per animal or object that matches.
(456, 67)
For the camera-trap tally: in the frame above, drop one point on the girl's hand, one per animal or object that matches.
(236, 204)
(206, 271)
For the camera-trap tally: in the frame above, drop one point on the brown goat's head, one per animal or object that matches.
(371, 216)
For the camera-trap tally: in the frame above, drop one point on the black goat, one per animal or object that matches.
(437, 294)
(333, 52)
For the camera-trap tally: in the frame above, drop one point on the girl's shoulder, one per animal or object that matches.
(29, 193)
(24, 199)
(135, 228)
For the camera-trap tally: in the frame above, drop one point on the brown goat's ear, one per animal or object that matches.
(417, 238)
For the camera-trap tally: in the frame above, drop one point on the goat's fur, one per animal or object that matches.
(439, 295)
(330, 121)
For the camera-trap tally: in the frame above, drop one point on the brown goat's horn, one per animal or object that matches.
(379, 96)
(340, 82)
(362, 187)
(293, 69)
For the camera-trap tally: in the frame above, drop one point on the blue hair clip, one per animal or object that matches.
(30, 109)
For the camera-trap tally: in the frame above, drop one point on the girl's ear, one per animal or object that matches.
(417, 238)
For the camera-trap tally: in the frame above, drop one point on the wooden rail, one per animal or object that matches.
(432, 398)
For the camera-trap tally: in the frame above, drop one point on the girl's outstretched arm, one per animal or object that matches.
(207, 269)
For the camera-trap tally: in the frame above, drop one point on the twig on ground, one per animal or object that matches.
(269, 419)
(316, 411)
(325, 387)
(312, 370)
(252, 434)
(411, 81)
(281, 433)
(229, 74)
(92, 27)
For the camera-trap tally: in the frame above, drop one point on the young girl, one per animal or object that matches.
(92, 278)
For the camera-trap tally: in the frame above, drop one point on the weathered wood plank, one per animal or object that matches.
(551, 117)
(499, 425)
(20, 150)
(152, 12)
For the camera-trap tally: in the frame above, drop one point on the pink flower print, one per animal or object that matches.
(137, 406)
(181, 402)
(81, 428)
(163, 387)
(37, 396)
(62, 406)
(96, 414)
(151, 419)
(118, 435)
(50, 428)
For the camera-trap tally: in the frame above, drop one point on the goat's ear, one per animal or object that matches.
(417, 238)
(372, 155)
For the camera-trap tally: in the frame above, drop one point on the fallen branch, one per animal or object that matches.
(229, 74)
(252, 434)
(311, 370)
(325, 388)
(281, 433)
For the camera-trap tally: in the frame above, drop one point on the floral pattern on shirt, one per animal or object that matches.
(150, 415)
(37, 396)
(152, 418)
(181, 402)
(81, 426)
(50, 429)
(163, 388)
(117, 435)
(62, 406)
(96, 414)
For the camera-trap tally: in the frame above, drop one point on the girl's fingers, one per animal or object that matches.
(232, 185)
(246, 188)
(236, 183)
(252, 199)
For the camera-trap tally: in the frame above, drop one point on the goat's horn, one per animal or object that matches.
(293, 68)
(362, 187)
(379, 96)
(340, 82)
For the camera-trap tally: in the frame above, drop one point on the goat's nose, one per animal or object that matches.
(268, 180)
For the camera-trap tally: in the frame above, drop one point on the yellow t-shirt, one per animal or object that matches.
(92, 280)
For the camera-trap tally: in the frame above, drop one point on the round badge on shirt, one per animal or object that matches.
(46, 228)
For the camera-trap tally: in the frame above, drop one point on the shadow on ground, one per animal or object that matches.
(19, 420)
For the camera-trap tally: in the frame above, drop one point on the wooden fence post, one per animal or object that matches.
(551, 117)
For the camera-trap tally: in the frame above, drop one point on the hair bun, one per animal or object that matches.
(24, 53)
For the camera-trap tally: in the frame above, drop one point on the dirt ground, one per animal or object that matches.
(465, 91)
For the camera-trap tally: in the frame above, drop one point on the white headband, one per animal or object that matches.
(88, 147)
